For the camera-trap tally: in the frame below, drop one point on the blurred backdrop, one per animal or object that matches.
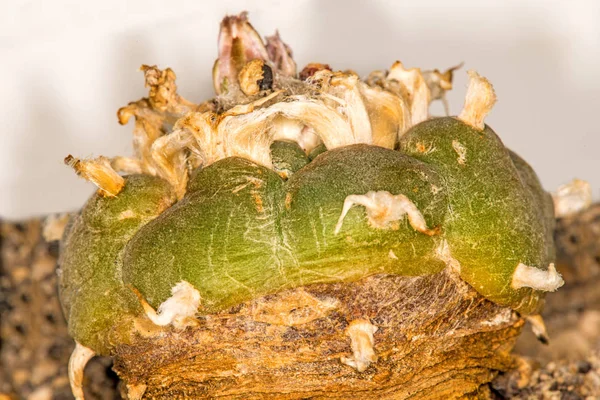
(68, 65)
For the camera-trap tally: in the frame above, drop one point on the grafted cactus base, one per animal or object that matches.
(436, 338)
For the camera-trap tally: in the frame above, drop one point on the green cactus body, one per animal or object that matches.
(241, 231)
(543, 200)
(229, 217)
(95, 301)
(499, 216)
(288, 157)
(314, 199)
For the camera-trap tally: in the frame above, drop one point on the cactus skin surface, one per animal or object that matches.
(241, 231)
(95, 301)
(499, 215)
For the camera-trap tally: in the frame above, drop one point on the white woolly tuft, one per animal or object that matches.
(415, 89)
(77, 362)
(362, 342)
(479, 101)
(183, 304)
(572, 198)
(384, 208)
(535, 278)
(388, 113)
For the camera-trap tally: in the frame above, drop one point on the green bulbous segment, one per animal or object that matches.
(222, 237)
(314, 200)
(499, 216)
(94, 299)
(317, 151)
(543, 200)
(288, 157)
(242, 232)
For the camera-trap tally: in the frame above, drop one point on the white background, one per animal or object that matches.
(66, 66)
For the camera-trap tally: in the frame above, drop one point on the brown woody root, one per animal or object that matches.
(435, 338)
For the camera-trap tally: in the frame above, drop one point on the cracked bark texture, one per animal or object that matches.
(426, 348)
(436, 338)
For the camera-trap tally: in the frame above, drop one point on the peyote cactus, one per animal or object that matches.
(283, 182)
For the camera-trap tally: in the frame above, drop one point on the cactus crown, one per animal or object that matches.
(260, 100)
